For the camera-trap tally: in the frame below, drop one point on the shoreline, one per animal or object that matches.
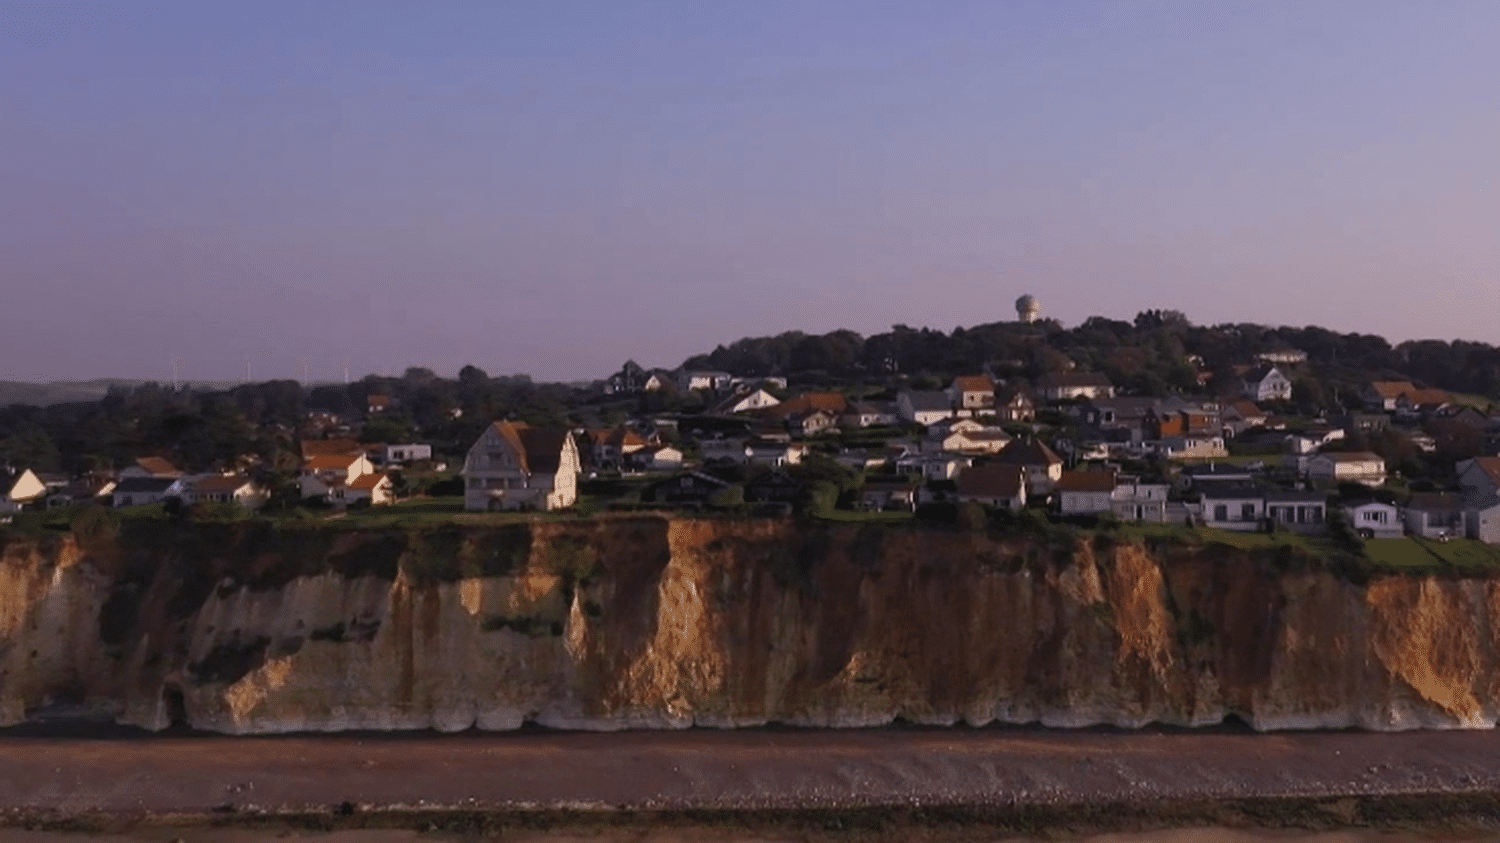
(966, 784)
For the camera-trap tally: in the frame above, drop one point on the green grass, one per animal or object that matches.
(1419, 555)
(865, 516)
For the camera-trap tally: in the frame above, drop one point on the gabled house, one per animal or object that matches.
(324, 476)
(689, 380)
(1347, 467)
(812, 421)
(1014, 404)
(924, 407)
(1482, 518)
(974, 393)
(966, 436)
(1232, 506)
(869, 414)
(1479, 477)
(19, 488)
(659, 458)
(1125, 413)
(888, 494)
(746, 402)
(1266, 383)
(375, 487)
(629, 380)
(1040, 465)
(226, 488)
(995, 484)
(143, 491)
(689, 487)
(377, 403)
(1421, 403)
(832, 403)
(1068, 386)
(1375, 520)
(774, 486)
(150, 467)
(765, 450)
(516, 466)
(1382, 395)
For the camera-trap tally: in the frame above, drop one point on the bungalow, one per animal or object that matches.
(966, 436)
(1435, 515)
(229, 488)
(407, 453)
(659, 458)
(688, 380)
(1301, 511)
(1266, 383)
(1068, 386)
(996, 484)
(143, 491)
(1347, 467)
(1232, 506)
(516, 466)
(923, 407)
(1375, 520)
(150, 467)
(869, 414)
(888, 494)
(1420, 403)
(764, 450)
(1085, 492)
(689, 487)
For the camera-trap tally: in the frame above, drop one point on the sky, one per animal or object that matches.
(554, 186)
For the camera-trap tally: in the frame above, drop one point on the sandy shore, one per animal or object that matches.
(55, 781)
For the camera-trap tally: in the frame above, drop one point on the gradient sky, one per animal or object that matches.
(554, 186)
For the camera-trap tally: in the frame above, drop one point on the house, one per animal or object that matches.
(1435, 515)
(1200, 474)
(1382, 395)
(1069, 386)
(939, 466)
(688, 380)
(766, 450)
(1040, 465)
(1482, 518)
(143, 491)
(1232, 506)
(895, 494)
(150, 467)
(325, 475)
(775, 486)
(405, 453)
(869, 414)
(974, 393)
(1266, 383)
(1014, 404)
(1421, 403)
(1133, 500)
(337, 447)
(1313, 439)
(375, 487)
(813, 421)
(611, 448)
(1192, 447)
(995, 484)
(226, 488)
(1286, 356)
(629, 380)
(20, 488)
(746, 402)
(1479, 477)
(1241, 415)
(516, 466)
(966, 436)
(377, 403)
(90, 487)
(832, 403)
(1347, 467)
(1299, 510)
(1375, 520)
(659, 458)
(689, 487)
(1126, 414)
(923, 407)
(1085, 492)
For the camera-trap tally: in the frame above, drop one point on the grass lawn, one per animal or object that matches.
(873, 516)
(1413, 554)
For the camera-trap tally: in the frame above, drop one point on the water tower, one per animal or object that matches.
(1028, 309)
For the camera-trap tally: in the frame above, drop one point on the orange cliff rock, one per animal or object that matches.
(653, 622)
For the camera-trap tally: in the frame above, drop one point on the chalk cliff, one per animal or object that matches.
(654, 622)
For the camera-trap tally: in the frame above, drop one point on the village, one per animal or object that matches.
(1066, 445)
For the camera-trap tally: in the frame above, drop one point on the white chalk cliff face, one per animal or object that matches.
(649, 622)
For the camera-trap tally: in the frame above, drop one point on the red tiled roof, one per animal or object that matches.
(1490, 466)
(231, 483)
(973, 383)
(1086, 481)
(367, 481)
(323, 447)
(331, 460)
(1028, 452)
(1391, 390)
(158, 466)
(995, 480)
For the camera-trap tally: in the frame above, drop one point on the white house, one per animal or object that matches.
(1435, 515)
(226, 488)
(1266, 383)
(324, 476)
(745, 402)
(1231, 506)
(1347, 467)
(516, 466)
(19, 488)
(375, 487)
(660, 458)
(1479, 477)
(1085, 492)
(142, 491)
(407, 453)
(691, 380)
(1133, 500)
(975, 393)
(1482, 517)
(1375, 520)
(923, 407)
(1301, 511)
(1067, 386)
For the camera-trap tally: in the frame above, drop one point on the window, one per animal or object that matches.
(1247, 512)
(1221, 512)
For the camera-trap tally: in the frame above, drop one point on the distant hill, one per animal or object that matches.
(65, 392)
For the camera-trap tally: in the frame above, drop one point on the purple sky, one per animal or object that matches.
(552, 186)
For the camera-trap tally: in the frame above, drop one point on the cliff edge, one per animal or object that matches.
(654, 622)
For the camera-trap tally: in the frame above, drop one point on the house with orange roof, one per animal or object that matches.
(325, 476)
(1041, 465)
(1479, 477)
(377, 403)
(150, 467)
(974, 393)
(1382, 395)
(226, 488)
(375, 487)
(1085, 492)
(994, 484)
(516, 466)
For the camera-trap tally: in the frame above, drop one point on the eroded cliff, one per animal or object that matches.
(655, 622)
